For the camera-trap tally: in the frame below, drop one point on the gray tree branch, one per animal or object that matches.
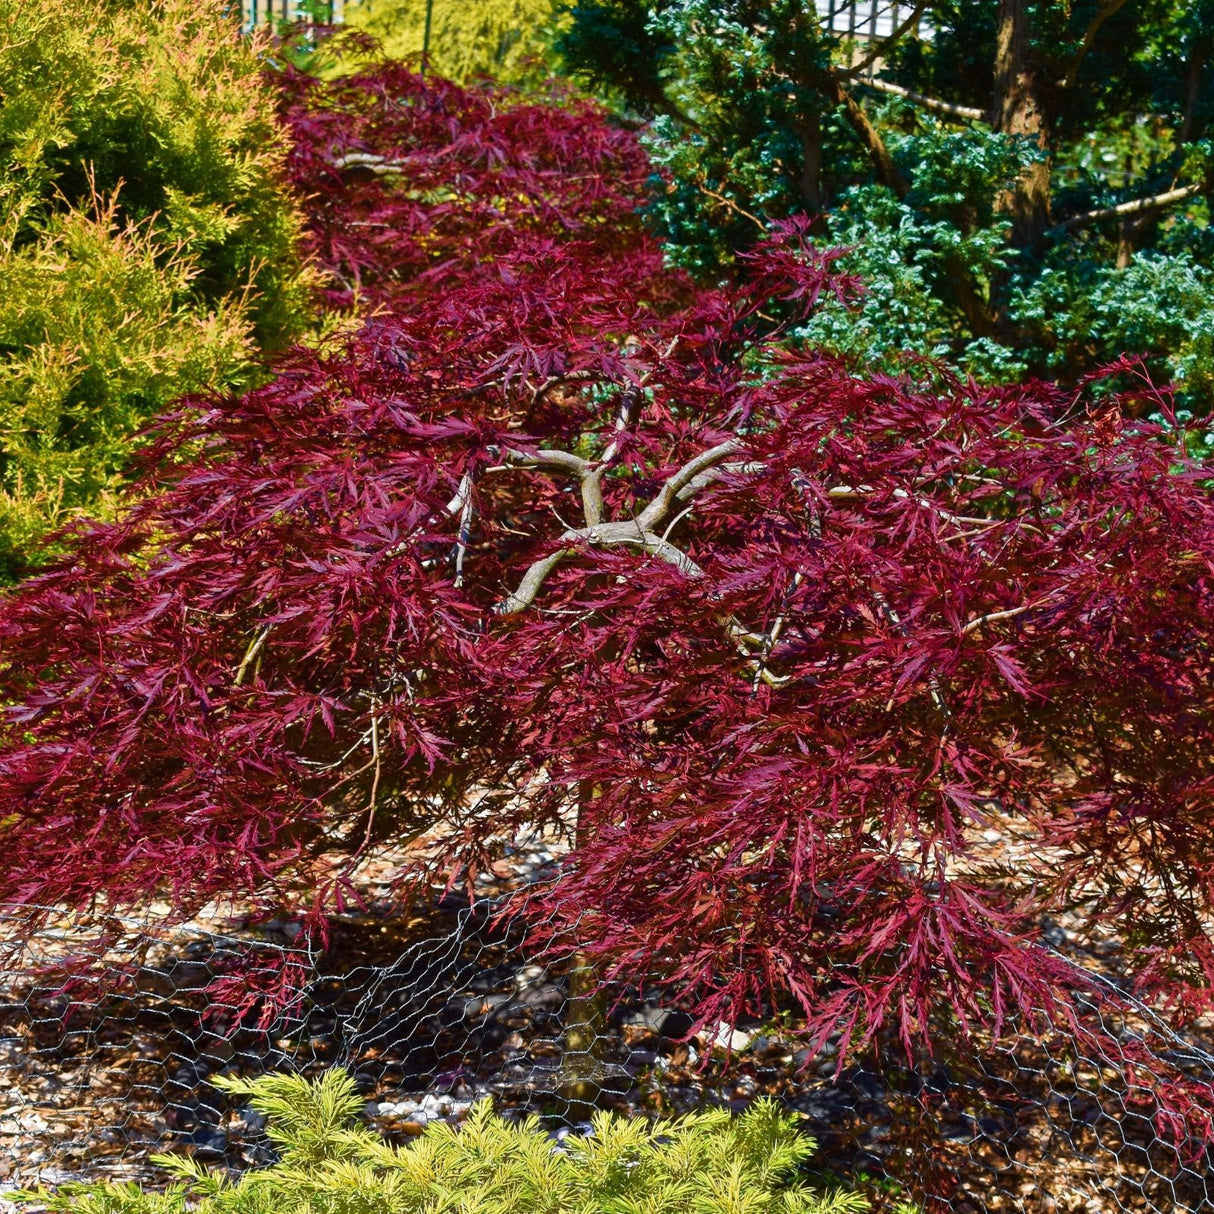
(969, 113)
(1124, 210)
(656, 511)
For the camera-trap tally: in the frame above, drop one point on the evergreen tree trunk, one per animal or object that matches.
(810, 130)
(1019, 109)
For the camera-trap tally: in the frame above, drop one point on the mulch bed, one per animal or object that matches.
(436, 1012)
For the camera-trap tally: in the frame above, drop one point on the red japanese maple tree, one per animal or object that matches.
(557, 538)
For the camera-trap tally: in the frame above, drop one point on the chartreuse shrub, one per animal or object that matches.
(706, 1163)
(505, 39)
(147, 239)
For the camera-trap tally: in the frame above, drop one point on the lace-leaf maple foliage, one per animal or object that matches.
(556, 538)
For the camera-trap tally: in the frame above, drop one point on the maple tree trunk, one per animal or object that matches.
(585, 1026)
(586, 1016)
(1019, 109)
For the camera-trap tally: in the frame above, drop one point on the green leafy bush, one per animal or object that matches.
(911, 252)
(147, 239)
(1021, 195)
(707, 1163)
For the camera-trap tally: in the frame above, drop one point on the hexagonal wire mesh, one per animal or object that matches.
(105, 1062)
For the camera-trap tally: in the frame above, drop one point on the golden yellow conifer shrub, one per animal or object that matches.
(148, 240)
(505, 39)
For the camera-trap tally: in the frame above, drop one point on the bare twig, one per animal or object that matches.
(678, 518)
(1103, 13)
(374, 779)
(934, 689)
(733, 206)
(465, 527)
(771, 639)
(993, 616)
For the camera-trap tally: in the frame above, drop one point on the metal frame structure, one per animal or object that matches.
(255, 13)
(859, 19)
(864, 19)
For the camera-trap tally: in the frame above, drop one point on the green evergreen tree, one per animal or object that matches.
(1024, 192)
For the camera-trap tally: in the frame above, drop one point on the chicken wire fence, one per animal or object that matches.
(104, 1065)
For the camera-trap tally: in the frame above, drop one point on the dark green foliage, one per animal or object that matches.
(147, 240)
(707, 1163)
(614, 46)
(911, 252)
(977, 212)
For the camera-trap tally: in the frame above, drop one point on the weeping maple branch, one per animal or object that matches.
(465, 527)
(251, 654)
(681, 486)
(368, 164)
(605, 535)
(660, 506)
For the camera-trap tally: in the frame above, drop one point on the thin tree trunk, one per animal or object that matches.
(1196, 66)
(887, 171)
(1131, 235)
(580, 1083)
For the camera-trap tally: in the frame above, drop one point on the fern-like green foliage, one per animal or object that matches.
(504, 39)
(147, 238)
(706, 1163)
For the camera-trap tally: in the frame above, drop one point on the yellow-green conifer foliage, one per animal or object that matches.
(706, 1163)
(505, 39)
(147, 239)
